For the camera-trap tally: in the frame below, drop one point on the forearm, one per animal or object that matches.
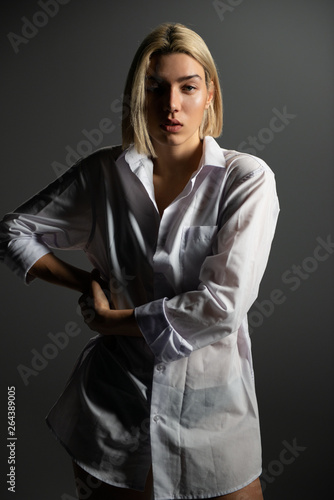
(118, 322)
(52, 269)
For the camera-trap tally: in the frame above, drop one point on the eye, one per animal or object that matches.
(154, 88)
(152, 85)
(189, 88)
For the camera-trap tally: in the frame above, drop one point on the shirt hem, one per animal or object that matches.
(94, 472)
(213, 495)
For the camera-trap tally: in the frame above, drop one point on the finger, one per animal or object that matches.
(85, 301)
(95, 274)
(89, 316)
(98, 294)
(82, 299)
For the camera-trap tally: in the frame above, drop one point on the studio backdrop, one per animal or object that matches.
(63, 68)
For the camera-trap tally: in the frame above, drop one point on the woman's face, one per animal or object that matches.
(176, 98)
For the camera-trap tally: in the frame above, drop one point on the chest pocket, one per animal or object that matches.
(196, 245)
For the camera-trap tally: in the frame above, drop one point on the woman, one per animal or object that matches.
(179, 232)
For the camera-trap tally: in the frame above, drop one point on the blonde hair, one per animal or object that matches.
(166, 39)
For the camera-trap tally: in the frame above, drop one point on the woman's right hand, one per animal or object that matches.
(100, 316)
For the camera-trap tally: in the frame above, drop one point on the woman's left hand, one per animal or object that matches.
(100, 317)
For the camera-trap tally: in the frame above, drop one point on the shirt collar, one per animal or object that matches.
(213, 155)
(142, 166)
(136, 160)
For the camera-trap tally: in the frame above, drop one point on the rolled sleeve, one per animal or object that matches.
(229, 278)
(22, 254)
(164, 341)
(58, 217)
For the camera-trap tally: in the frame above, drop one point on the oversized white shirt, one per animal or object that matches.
(183, 396)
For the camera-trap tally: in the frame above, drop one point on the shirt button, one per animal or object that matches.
(161, 368)
(156, 418)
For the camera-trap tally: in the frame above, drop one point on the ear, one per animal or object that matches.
(211, 93)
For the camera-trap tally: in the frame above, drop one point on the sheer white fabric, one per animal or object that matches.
(182, 397)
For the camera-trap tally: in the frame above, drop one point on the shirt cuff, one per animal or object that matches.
(22, 254)
(165, 342)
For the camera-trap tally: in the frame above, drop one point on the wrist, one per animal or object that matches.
(123, 322)
(83, 281)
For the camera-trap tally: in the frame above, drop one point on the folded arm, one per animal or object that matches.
(101, 317)
(54, 270)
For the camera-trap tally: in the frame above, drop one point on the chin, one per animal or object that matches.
(168, 140)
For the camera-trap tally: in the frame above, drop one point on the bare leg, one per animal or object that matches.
(93, 489)
(251, 492)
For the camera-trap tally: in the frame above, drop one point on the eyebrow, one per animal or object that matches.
(180, 79)
(189, 77)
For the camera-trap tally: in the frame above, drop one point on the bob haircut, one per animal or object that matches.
(166, 39)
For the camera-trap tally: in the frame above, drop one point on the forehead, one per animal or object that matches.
(171, 67)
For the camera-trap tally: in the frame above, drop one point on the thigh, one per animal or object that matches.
(251, 492)
(88, 487)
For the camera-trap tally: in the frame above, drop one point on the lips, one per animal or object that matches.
(171, 126)
(172, 122)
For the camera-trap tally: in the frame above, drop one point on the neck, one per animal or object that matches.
(175, 161)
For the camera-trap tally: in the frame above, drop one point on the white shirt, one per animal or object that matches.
(182, 397)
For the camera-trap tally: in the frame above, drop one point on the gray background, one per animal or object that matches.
(270, 54)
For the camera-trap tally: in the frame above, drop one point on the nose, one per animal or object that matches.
(172, 100)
